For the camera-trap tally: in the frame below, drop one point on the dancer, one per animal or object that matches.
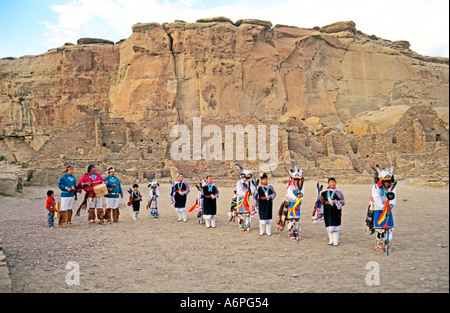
(154, 195)
(112, 198)
(210, 195)
(232, 212)
(198, 206)
(290, 210)
(67, 184)
(245, 190)
(383, 200)
(266, 195)
(135, 200)
(180, 190)
(87, 183)
(317, 215)
(333, 201)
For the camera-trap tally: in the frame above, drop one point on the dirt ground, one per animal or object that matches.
(166, 256)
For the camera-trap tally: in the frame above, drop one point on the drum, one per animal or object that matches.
(100, 190)
(57, 206)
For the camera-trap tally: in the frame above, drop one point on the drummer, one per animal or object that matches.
(87, 183)
(112, 198)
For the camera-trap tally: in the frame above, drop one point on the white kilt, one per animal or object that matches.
(66, 203)
(112, 203)
(95, 203)
(332, 229)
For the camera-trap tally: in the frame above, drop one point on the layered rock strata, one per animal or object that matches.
(336, 95)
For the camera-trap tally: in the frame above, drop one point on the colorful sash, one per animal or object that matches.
(384, 213)
(243, 204)
(294, 209)
(198, 203)
(388, 222)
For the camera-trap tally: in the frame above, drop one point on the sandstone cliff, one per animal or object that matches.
(336, 94)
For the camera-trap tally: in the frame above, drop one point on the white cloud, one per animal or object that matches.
(424, 23)
(189, 3)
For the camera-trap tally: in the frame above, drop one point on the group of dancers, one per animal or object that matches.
(253, 196)
(256, 196)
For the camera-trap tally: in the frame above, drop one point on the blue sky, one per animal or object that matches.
(21, 30)
(30, 27)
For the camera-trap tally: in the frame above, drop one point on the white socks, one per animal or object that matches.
(262, 228)
(210, 221)
(267, 228)
(182, 216)
(333, 238)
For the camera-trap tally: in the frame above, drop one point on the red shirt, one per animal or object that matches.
(50, 204)
(95, 179)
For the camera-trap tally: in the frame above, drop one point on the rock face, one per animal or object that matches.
(10, 184)
(336, 95)
(44, 94)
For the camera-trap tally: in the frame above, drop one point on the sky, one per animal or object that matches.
(31, 27)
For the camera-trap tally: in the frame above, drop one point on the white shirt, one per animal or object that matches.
(291, 196)
(241, 189)
(155, 193)
(380, 200)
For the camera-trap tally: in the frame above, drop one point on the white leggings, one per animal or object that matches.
(210, 220)
(181, 214)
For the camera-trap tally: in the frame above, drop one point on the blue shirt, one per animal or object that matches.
(67, 181)
(117, 190)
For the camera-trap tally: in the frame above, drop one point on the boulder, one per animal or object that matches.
(219, 19)
(339, 27)
(10, 184)
(94, 41)
(401, 44)
(265, 24)
(376, 122)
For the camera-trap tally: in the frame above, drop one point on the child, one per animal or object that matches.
(153, 202)
(198, 206)
(232, 212)
(135, 200)
(51, 207)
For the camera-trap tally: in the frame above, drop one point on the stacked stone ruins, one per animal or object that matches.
(336, 94)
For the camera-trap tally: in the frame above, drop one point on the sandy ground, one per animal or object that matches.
(167, 256)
